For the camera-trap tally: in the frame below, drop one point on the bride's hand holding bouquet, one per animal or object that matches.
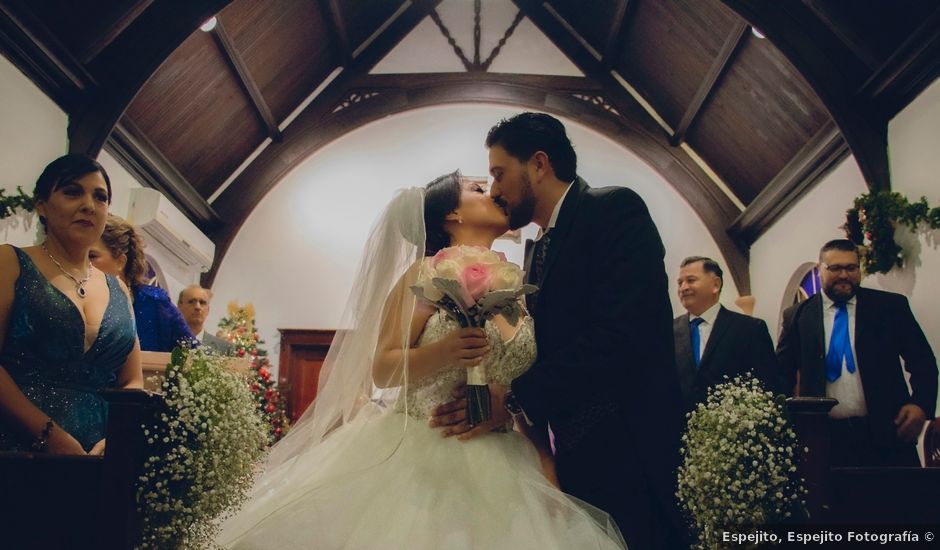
(471, 285)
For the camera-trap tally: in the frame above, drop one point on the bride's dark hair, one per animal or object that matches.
(441, 197)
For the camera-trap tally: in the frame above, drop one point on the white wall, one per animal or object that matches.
(297, 251)
(797, 236)
(32, 133)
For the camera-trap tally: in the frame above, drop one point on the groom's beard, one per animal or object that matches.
(521, 214)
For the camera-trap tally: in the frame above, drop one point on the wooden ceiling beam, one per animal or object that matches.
(333, 15)
(707, 87)
(126, 64)
(614, 43)
(237, 63)
(28, 44)
(908, 71)
(713, 206)
(561, 96)
(823, 152)
(99, 42)
(834, 73)
(136, 153)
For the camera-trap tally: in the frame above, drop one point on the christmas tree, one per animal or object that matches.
(239, 329)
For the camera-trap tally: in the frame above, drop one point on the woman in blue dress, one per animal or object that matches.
(67, 328)
(119, 251)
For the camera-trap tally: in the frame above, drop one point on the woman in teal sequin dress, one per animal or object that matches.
(68, 329)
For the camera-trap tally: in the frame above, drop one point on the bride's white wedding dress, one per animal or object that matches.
(387, 480)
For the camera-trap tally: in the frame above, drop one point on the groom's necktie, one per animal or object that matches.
(696, 340)
(840, 345)
(539, 253)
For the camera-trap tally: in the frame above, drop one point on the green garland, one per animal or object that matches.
(8, 205)
(871, 222)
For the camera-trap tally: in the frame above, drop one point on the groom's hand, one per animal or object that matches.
(453, 415)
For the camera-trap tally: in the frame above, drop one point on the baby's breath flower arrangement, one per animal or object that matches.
(738, 462)
(205, 445)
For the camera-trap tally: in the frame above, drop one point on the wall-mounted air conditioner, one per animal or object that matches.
(163, 224)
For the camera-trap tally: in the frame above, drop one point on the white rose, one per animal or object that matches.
(506, 277)
(449, 269)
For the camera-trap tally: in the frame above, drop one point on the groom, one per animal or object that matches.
(605, 380)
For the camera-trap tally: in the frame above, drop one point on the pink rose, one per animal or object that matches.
(475, 282)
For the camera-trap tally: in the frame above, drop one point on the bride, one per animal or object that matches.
(363, 469)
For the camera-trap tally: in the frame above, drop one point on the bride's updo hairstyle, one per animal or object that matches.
(441, 197)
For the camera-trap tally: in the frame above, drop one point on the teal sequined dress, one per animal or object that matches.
(43, 351)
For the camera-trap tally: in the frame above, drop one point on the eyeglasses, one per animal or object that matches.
(194, 301)
(849, 269)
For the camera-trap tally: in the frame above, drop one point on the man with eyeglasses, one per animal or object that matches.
(194, 305)
(847, 343)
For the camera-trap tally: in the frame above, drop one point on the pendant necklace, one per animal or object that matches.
(79, 283)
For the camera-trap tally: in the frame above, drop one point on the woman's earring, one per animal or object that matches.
(459, 219)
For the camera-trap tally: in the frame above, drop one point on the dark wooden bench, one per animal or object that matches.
(49, 502)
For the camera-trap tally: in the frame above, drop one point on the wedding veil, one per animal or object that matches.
(346, 388)
(348, 398)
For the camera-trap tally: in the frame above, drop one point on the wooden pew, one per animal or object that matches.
(50, 502)
(860, 496)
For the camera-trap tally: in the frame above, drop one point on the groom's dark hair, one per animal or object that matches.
(524, 134)
(441, 197)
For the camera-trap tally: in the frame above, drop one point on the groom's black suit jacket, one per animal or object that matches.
(603, 322)
(885, 332)
(737, 344)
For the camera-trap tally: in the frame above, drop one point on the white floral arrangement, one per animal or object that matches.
(738, 462)
(205, 446)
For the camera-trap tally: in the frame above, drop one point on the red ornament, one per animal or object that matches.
(254, 352)
(263, 372)
(270, 408)
(241, 352)
(255, 387)
(277, 431)
(268, 394)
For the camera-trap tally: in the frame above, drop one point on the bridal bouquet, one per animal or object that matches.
(204, 447)
(472, 284)
(738, 462)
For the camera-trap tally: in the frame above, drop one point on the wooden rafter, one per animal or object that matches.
(237, 63)
(715, 208)
(908, 71)
(101, 41)
(614, 42)
(124, 66)
(29, 44)
(807, 168)
(131, 148)
(834, 73)
(436, 17)
(706, 88)
(333, 15)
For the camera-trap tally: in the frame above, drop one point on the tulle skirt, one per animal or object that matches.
(382, 482)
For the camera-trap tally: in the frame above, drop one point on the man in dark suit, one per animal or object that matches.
(846, 343)
(194, 302)
(605, 381)
(713, 342)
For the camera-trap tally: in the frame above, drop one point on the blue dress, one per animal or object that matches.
(160, 325)
(43, 351)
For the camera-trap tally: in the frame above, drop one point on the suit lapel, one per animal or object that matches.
(861, 337)
(812, 319)
(529, 246)
(684, 360)
(563, 224)
(721, 326)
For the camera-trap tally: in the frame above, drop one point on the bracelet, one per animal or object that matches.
(42, 442)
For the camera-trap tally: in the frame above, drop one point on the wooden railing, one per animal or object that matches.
(53, 501)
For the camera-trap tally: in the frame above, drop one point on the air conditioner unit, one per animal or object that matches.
(163, 223)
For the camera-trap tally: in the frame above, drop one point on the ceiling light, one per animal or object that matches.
(754, 31)
(209, 25)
